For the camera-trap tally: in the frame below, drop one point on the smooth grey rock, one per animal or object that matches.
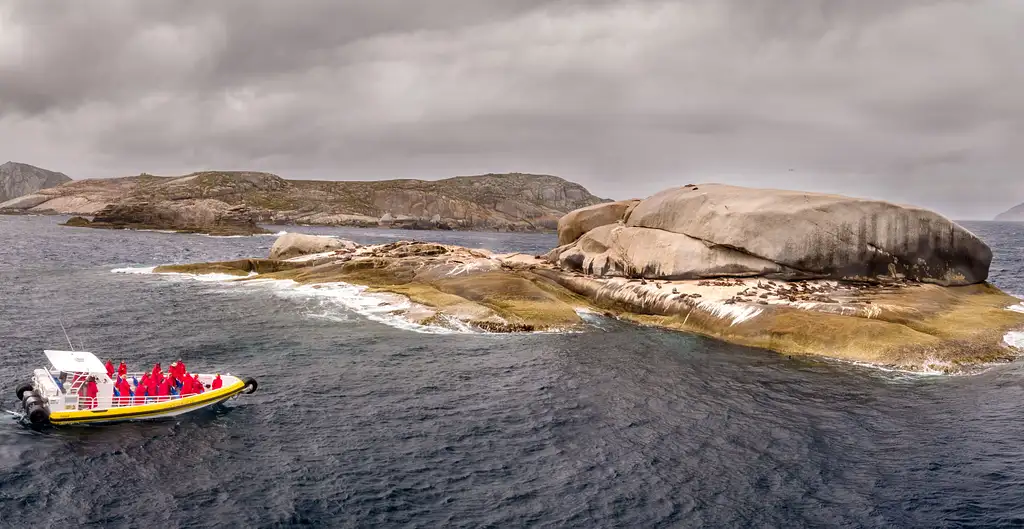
(297, 244)
(574, 224)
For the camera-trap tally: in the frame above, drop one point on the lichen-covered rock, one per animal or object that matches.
(803, 234)
(292, 245)
(78, 222)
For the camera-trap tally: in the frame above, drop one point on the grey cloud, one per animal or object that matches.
(914, 101)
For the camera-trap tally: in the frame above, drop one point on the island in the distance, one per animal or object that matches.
(1014, 214)
(794, 272)
(19, 179)
(237, 202)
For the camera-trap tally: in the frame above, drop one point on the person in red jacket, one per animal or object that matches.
(156, 370)
(164, 389)
(197, 385)
(217, 382)
(110, 369)
(181, 368)
(91, 391)
(122, 369)
(125, 389)
(141, 392)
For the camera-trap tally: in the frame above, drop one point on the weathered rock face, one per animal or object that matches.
(19, 179)
(574, 224)
(783, 234)
(509, 202)
(191, 216)
(617, 250)
(292, 245)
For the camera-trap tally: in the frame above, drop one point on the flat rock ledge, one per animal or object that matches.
(902, 325)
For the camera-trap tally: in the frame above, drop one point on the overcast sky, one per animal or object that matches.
(911, 101)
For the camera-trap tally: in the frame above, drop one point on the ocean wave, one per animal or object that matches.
(197, 277)
(137, 270)
(388, 309)
(278, 234)
(336, 301)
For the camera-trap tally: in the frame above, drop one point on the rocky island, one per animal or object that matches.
(18, 179)
(794, 272)
(1014, 214)
(235, 202)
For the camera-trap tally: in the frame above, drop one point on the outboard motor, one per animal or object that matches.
(36, 410)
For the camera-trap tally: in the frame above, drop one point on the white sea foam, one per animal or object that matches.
(1016, 308)
(738, 313)
(278, 234)
(140, 270)
(1014, 339)
(337, 300)
(382, 308)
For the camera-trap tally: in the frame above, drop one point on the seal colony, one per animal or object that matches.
(794, 272)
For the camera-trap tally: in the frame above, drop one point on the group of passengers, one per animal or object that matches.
(153, 387)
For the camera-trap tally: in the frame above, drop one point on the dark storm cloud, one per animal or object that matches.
(913, 101)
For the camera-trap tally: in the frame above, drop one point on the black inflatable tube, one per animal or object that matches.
(37, 414)
(250, 385)
(22, 390)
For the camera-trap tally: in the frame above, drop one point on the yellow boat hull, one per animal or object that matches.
(155, 410)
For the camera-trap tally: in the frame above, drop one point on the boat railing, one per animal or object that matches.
(85, 403)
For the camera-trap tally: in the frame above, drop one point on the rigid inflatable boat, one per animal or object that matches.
(57, 394)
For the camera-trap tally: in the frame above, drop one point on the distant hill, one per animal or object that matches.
(1014, 214)
(513, 202)
(17, 179)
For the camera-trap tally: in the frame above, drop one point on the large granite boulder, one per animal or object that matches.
(574, 224)
(786, 234)
(620, 251)
(292, 245)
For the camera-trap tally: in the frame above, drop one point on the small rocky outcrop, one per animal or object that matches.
(448, 285)
(78, 222)
(20, 179)
(207, 216)
(714, 230)
(292, 245)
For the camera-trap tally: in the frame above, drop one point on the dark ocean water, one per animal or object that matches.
(359, 423)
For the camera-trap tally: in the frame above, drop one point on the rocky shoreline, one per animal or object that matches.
(899, 324)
